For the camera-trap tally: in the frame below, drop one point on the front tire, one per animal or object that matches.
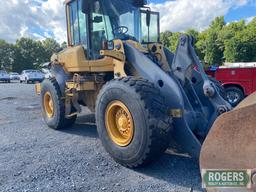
(132, 121)
(53, 105)
(234, 95)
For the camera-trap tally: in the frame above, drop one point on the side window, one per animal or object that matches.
(82, 25)
(110, 35)
(99, 32)
(77, 24)
(153, 29)
(74, 23)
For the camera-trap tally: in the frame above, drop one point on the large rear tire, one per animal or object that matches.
(132, 121)
(53, 105)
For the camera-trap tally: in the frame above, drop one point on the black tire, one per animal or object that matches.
(152, 124)
(219, 87)
(20, 81)
(234, 95)
(58, 121)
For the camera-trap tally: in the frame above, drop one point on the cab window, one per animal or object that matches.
(151, 33)
(100, 28)
(77, 19)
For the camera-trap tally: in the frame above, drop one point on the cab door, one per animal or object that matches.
(100, 28)
(76, 25)
(100, 31)
(87, 30)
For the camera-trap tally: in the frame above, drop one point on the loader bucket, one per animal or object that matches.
(231, 142)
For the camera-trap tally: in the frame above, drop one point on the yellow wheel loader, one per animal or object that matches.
(143, 95)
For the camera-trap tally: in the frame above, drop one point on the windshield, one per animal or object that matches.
(122, 13)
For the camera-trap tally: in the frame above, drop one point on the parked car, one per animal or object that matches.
(14, 76)
(32, 76)
(47, 73)
(4, 76)
(238, 79)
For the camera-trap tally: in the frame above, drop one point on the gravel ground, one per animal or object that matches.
(36, 158)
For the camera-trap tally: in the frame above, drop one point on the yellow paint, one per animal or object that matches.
(48, 105)
(85, 86)
(38, 88)
(119, 123)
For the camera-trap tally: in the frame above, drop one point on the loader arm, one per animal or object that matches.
(174, 97)
(192, 116)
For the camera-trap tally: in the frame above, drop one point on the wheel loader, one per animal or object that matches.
(144, 97)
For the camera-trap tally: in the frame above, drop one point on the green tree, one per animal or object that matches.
(213, 53)
(164, 36)
(64, 45)
(209, 44)
(174, 39)
(193, 32)
(6, 55)
(242, 46)
(201, 45)
(31, 53)
(50, 46)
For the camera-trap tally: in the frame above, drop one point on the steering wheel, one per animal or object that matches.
(121, 30)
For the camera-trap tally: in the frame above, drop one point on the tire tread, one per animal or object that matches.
(159, 122)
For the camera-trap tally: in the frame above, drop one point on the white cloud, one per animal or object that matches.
(181, 15)
(37, 19)
(248, 19)
(40, 19)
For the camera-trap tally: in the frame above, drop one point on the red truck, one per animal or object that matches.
(238, 79)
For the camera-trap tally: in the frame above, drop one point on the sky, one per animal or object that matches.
(39, 19)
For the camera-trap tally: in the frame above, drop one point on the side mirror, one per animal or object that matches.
(148, 17)
(97, 19)
(85, 6)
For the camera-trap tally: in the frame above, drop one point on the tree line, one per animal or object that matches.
(27, 53)
(221, 42)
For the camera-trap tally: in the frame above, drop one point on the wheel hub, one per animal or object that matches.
(119, 123)
(232, 97)
(123, 122)
(48, 105)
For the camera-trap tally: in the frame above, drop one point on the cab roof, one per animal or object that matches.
(137, 3)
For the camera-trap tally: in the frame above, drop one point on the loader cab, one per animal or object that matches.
(91, 23)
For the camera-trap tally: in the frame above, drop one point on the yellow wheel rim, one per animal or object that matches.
(119, 123)
(48, 105)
